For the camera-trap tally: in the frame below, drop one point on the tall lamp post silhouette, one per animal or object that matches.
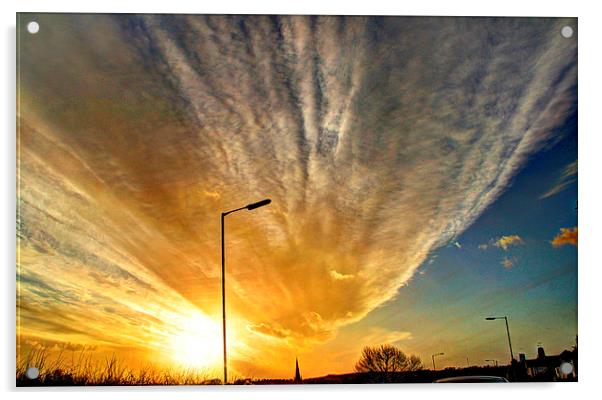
(433, 358)
(249, 207)
(505, 318)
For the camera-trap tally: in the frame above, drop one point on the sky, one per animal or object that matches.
(422, 171)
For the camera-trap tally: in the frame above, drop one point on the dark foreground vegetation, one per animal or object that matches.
(78, 369)
(382, 364)
(420, 376)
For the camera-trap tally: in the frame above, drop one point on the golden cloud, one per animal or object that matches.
(337, 276)
(506, 241)
(566, 236)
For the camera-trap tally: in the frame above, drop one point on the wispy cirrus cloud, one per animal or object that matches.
(567, 178)
(378, 140)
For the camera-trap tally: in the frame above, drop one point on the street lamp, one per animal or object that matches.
(249, 207)
(505, 318)
(433, 358)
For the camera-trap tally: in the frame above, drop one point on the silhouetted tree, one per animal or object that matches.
(414, 363)
(385, 359)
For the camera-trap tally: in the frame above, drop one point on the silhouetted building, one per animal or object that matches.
(549, 368)
(540, 353)
(297, 373)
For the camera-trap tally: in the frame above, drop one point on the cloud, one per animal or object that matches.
(502, 242)
(508, 263)
(376, 142)
(337, 276)
(269, 330)
(58, 345)
(567, 178)
(311, 329)
(212, 195)
(506, 241)
(566, 236)
(378, 336)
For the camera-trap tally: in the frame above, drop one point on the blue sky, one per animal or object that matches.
(445, 303)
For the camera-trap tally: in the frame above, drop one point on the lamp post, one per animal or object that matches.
(505, 318)
(249, 207)
(433, 358)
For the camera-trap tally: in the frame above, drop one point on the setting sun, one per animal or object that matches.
(198, 344)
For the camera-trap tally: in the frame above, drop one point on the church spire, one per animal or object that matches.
(297, 373)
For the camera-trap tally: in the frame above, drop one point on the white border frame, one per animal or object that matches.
(590, 145)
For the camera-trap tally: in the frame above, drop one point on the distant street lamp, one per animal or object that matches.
(505, 318)
(249, 207)
(433, 358)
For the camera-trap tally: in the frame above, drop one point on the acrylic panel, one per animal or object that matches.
(266, 199)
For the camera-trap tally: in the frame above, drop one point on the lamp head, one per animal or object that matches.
(261, 203)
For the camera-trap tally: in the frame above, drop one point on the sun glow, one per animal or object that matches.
(197, 343)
